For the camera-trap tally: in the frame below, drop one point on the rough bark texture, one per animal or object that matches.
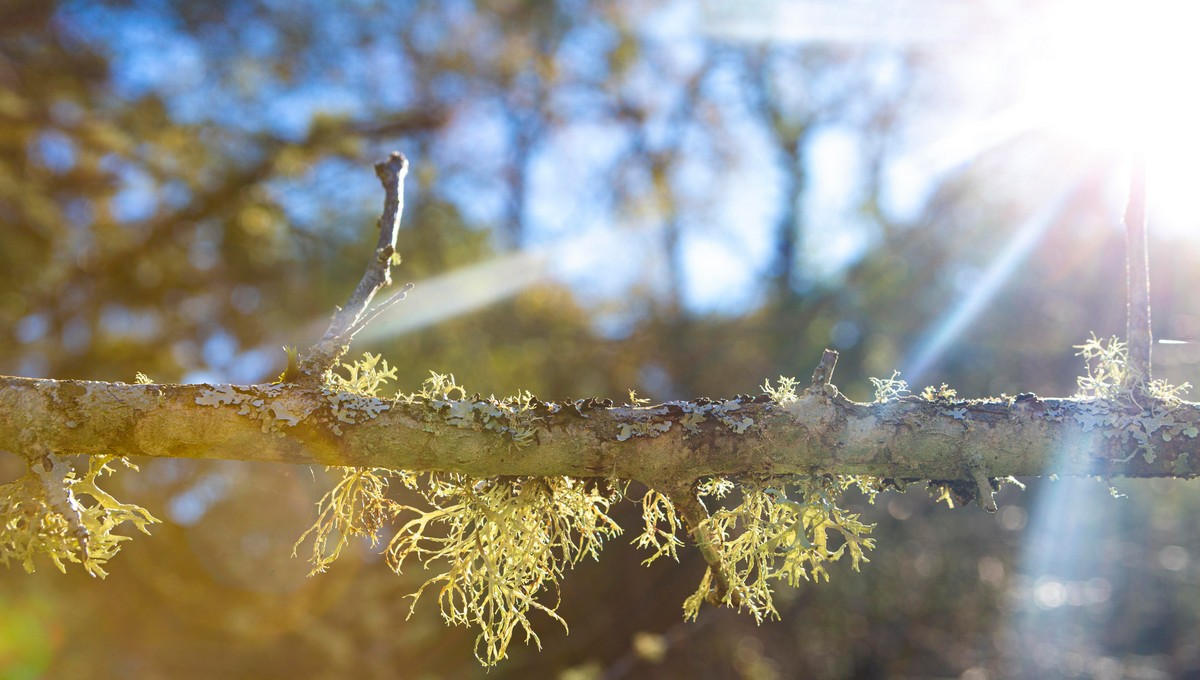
(668, 444)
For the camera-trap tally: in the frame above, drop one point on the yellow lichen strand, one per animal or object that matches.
(357, 507)
(80, 531)
(502, 542)
(777, 535)
(661, 527)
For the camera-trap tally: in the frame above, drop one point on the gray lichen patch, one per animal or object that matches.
(691, 416)
(520, 417)
(274, 405)
(725, 412)
(1147, 425)
(352, 409)
(642, 429)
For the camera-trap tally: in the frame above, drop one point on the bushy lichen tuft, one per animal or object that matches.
(356, 507)
(364, 376)
(785, 393)
(781, 530)
(661, 526)
(1125, 404)
(67, 517)
(889, 389)
(503, 542)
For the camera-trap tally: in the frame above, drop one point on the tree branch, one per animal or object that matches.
(1137, 276)
(707, 542)
(354, 315)
(681, 441)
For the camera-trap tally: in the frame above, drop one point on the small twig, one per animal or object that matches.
(380, 308)
(823, 373)
(707, 541)
(357, 312)
(1137, 276)
(985, 495)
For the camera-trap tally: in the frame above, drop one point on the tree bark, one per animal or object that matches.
(820, 432)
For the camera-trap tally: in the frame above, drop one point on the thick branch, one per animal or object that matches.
(354, 315)
(680, 441)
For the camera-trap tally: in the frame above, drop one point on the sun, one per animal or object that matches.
(1118, 76)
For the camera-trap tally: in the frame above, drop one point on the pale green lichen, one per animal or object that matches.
(1124, 405)
(497, 544)
(356, 507)
(785, 393)
(890, 389)
(515, 416)
(503, 542)
(661, 527)
(774, 535)
(941, 394)
(66, 518)
(724, 412)
(351, 409)
(364, 376)
(691, 421)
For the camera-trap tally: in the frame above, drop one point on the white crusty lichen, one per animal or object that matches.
(516, 416)
(352, 409)
(642, 428)
(271, 404)
(723, 412)
(694, 414)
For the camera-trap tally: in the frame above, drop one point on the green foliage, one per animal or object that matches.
(771, 536)
(41, 514)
